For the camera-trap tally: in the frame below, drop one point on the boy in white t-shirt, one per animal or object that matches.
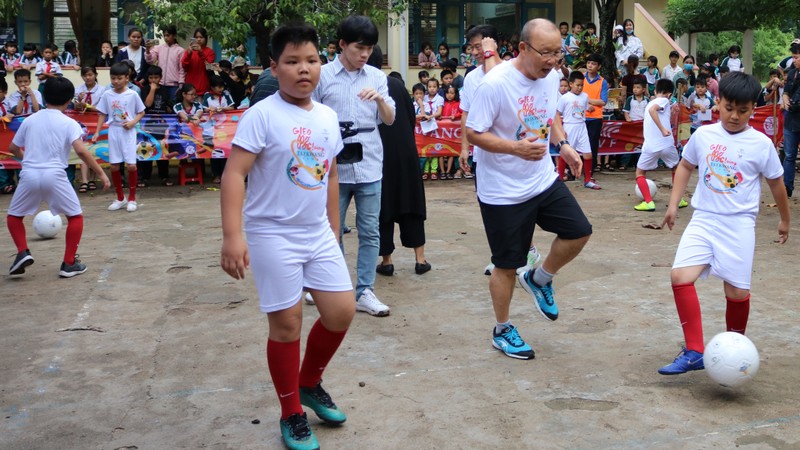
(732, 159)
(658, 143)
(43, 178)
(287, 145)
(124, 109)
(636, 104)
(700, 103)
(573, 106)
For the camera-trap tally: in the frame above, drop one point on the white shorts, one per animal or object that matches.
(578, 137)
(121, 145)
(648, 160)
(50, 185)
(288, 259)
(725, 243)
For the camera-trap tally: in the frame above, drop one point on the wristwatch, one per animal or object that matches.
(560, 143)
(488, 53)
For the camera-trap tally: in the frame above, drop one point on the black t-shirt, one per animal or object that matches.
(161, 104)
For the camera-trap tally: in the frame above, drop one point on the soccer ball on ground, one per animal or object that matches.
(731, 359)
(653, 189)
(46, 224)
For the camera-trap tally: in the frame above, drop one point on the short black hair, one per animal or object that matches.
(633, 59)
(376, 57)
(70, 46)
(58, 91)
(203, 32)
(216, 80)
(19, 73)
(11, 44)
(595, 57)
(449, 64)
(734, 48)
(483, 31)
(724, 70)
(446, 72)
(3, 85)
(28, 47)
(155, 70)
(575, 75)
(712, 56)
(701, 81)
(563, 23)
(739, 88)
(120, 68)
(135, 30)
(576, 22)
(171, 29)
(358, 29)
(591, 25)
(665, 86)
(423, 73)
(417, 87)
(794, 48)
(433, 80)
(87, 69)
(640, 82)
(294, 34)
(49, 46)
(674, 54)
(774, 72)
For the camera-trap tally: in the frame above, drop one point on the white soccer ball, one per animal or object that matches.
(653, 189)
(731, 359)
(46, 224)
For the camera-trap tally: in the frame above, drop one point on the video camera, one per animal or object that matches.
(352, 152)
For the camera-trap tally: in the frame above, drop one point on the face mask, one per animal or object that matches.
(735, 57)
(688, 66)
(629, 31)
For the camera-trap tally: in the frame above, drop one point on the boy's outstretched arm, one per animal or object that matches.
(101, 120)
(682, 175)
(333, 199)
(85, 156)
(782, 200)
(234, 257)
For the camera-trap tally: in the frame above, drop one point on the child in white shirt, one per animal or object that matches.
(573, 106)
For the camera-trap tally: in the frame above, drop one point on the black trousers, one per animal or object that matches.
(412, 234)
(145, 169)
(594, 127)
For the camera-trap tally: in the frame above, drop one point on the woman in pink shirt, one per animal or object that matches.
(194, 61)
(168, 56)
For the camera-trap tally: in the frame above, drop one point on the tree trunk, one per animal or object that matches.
(262, 33)
(608, 15)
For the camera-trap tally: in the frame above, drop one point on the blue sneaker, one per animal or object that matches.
(320, 401)
(296, 433)
(687, 360)
(542, 295)
(510, 343)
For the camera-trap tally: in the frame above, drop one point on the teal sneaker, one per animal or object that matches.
(687, 360)
(510, 343)
(320, 401)
(542, 295)
(296, 433)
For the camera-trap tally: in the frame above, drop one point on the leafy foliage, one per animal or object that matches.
(587, 45)
(770, 46)
(685, 16)
(232, 21)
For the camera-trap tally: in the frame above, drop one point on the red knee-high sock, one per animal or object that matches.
(283, 359)
(74, 232)
(320, 348)
(736, 313)
(689, 313)
(562, 168)
(17, 230)
(116, 178)
(133, 179)
(587, 170)
(642, 183)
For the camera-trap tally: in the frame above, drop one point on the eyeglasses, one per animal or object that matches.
(556, 55)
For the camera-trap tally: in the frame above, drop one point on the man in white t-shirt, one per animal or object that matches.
(513, 120)
(732, 159)
(287, 146)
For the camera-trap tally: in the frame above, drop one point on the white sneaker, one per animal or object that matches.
(132, 206)
(308, 298)
(370, 304)
(533, 258)
(488, 270)
(117, 204)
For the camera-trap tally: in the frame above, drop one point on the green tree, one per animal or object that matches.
(770, 46)
(687, 16)
(232, 21)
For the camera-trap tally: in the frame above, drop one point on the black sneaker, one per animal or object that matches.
(69, 271)
(23, 260)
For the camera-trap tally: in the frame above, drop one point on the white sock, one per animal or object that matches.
(541, 277)
(500, 327)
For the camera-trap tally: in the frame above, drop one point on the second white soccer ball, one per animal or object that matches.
(653, 189)
(46, 224)
(731, 359)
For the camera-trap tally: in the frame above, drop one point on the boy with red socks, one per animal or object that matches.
(658, 143)
(731, 158)
(287, 145)
(124, 109)
(572, 107)
(43, 177)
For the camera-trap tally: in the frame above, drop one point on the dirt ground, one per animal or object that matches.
(155, 347)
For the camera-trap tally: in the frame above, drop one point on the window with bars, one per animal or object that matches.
(62, 27)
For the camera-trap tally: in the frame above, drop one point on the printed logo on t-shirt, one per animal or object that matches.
(118, 111)
(305, 169)
(722, 174)
(534, 123)
(578, 111)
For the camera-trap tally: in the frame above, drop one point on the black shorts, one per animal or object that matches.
(509, 228)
